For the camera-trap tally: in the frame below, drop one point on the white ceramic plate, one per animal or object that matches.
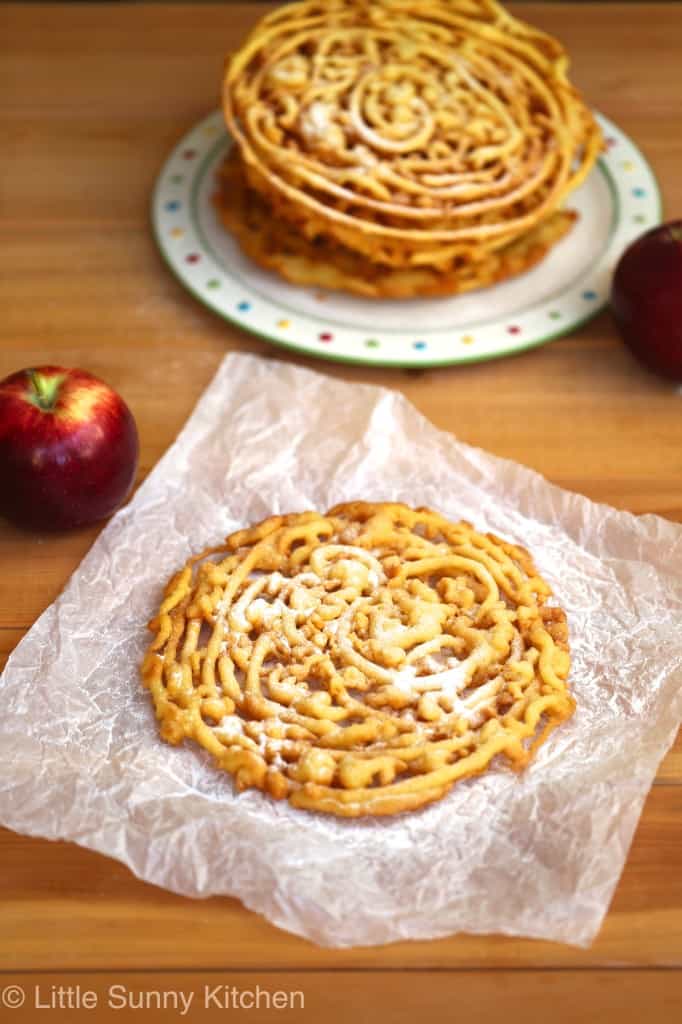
(619, 200)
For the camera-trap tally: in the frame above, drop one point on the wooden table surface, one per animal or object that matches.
(92, 97)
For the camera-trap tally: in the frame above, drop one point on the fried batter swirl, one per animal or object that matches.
(415, 134)
(360, 662)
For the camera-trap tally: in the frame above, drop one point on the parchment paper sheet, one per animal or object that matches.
(537, 854)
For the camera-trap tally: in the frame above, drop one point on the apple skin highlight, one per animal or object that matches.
(68, 448)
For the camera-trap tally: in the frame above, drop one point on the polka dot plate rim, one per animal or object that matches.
(619, 201)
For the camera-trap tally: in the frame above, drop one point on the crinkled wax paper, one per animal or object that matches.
(537, 854)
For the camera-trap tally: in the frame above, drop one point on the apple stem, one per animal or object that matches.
(44, 392)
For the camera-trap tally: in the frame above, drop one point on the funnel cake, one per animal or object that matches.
(359, 662)
(415, 135)
(276, 245)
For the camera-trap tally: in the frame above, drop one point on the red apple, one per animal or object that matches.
(68, 448)
(646, 298)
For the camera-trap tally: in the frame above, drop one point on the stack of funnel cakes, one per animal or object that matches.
(395, 148)
(362, 661)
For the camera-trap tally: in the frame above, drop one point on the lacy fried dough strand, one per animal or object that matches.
(362, 661)
(276, 244)
(407, 132)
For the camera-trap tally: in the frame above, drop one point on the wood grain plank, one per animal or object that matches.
(386, 996)
(184, 43)
(584, 415)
